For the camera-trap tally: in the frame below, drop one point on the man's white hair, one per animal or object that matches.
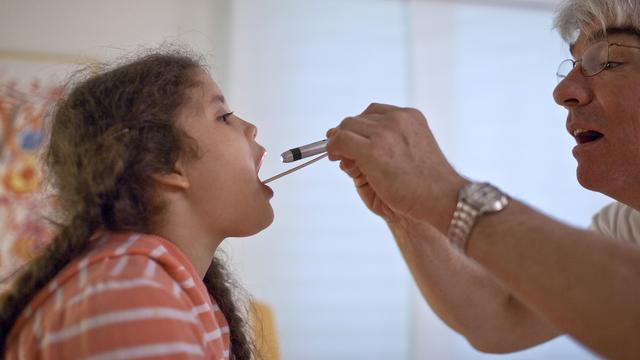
(572, 16)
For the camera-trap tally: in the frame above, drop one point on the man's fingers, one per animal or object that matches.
(344, 144)
(359, 179)
(379, 109)
(351, 169)
(346, 164)
(364, 127)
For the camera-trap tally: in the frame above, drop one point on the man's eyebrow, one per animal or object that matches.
(602, 34)
(599, 34)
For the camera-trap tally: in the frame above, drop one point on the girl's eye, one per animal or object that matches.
(225, 117)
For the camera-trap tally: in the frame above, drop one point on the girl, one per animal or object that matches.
(151, 171)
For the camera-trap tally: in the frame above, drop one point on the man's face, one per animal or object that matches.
(604, 114)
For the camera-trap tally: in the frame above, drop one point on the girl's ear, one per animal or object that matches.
(176, 178)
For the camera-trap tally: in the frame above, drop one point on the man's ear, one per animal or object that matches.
(176, 178)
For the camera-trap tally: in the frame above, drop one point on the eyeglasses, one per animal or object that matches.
(594, 60)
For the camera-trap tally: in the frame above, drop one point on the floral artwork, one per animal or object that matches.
(25, 103)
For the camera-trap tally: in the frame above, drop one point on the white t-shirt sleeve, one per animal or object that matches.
(618, 221)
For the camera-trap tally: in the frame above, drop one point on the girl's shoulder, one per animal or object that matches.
(123, 277)
(123, 261)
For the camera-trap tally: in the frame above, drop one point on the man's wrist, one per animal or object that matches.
(448, 202)
(474, 200)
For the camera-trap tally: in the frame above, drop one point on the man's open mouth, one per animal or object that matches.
(583, 136)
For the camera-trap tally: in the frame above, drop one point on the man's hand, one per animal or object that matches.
(396, 164)
(366, 192)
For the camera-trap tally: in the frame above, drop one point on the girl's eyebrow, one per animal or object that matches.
(218, 98)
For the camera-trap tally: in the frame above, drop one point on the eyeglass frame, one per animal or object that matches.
(575, 62)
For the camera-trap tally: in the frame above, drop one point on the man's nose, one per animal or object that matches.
(573, 90)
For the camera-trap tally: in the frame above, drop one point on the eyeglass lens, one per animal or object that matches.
(593, 61)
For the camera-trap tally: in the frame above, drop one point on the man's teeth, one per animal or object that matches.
(584, 136)
(577, 132)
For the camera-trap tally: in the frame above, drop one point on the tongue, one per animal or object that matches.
(588, 136)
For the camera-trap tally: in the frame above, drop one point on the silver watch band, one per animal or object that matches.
(461, 224)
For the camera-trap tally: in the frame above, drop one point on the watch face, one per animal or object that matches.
(484, 197)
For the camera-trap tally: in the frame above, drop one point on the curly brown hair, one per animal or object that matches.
(108, 135)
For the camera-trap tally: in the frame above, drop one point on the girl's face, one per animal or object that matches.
(228, 197)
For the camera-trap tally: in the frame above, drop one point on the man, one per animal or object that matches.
(495, 270)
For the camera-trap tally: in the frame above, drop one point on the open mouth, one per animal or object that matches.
(260, 159)
(583, 136)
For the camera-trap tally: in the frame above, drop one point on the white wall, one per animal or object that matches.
(104, 29)
(327, 265)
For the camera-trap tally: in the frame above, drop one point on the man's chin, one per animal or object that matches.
(587, 180)
(607, 183)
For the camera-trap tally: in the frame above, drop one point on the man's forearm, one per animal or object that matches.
(586, 285)
(466, 296)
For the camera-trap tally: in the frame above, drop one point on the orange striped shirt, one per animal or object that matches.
(131, 296)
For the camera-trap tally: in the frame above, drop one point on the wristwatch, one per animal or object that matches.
(474, 200)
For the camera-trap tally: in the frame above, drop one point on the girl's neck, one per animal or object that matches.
(183, 231)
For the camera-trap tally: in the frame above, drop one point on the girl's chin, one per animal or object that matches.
(254, 227)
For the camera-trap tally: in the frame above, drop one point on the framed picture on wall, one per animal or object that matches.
(30, 85)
